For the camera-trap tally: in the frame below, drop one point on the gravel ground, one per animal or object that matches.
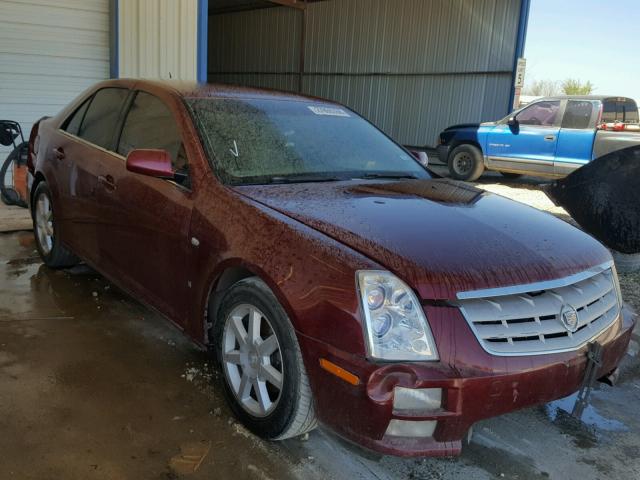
(630, 285)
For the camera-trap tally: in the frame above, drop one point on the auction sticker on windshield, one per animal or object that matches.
(334, 112)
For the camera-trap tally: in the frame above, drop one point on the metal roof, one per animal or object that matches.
(229, 6)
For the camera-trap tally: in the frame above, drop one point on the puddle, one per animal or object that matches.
(590, 417)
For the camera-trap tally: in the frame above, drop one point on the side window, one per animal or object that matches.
(72, 124)
(102, 116)
(542, 114)
(578, 114)
(150, 124)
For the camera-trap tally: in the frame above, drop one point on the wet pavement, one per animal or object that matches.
(94, 385)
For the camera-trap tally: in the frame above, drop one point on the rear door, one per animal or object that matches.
(82, 144)
(530, 146)
(144, 241)
(576, 137)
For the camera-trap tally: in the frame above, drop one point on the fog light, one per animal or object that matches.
(405, 428)
(406, 400)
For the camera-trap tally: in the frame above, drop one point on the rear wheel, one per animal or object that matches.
(266, 383)
(53, 253)
(466, 163)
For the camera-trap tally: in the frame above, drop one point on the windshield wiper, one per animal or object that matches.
(302, 179)
(368, 176)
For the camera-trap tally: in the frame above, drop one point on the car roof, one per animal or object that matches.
(188, 89)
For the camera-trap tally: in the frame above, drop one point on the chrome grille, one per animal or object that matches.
(526, 320)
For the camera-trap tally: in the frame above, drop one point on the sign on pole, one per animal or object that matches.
(519, 81)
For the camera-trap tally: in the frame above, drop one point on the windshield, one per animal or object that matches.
(277, 141)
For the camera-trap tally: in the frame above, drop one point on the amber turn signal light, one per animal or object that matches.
(339, 372)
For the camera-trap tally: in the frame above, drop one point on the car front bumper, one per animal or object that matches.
(362, 413)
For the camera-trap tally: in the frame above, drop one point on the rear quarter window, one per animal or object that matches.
(72, 124)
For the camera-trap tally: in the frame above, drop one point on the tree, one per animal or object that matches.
(571, 86)
(542, 88)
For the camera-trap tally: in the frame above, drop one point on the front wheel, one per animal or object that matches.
(53, 253)
(265, 380)
(466, 163)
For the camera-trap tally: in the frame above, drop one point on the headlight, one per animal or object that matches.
(395, 325)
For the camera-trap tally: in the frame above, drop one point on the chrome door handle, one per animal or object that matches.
(550, 138)
(107, 182)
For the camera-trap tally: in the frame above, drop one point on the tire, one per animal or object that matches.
(466, 163)
(511, 175)
(291, 412)
(53, 253)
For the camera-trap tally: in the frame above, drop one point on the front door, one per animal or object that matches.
(145, 239)
(530, 144)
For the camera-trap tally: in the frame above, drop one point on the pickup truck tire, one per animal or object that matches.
(510, 175)
(466, 163)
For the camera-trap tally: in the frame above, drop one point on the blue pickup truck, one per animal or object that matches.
(550, 137)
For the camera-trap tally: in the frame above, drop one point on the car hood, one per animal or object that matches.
(440, 236)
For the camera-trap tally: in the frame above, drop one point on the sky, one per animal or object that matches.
(596, 40)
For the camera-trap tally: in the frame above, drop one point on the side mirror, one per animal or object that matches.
(512, 122)
(153, 163)
(422, 157)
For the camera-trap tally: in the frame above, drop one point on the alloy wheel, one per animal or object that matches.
(44, 223)
(252, 360)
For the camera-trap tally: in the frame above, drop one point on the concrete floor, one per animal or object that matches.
(13, 218)
(95, 386)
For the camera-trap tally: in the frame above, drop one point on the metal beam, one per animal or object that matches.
(114, 60)
(203, 41)
(303, 33)
(291, 3)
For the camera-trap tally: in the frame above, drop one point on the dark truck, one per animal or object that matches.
(550, 137)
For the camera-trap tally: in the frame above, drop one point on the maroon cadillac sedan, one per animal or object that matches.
(330, 275)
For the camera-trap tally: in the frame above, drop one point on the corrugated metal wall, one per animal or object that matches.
(256, 47)
(49, 53)
(158, 39)
(413, 67)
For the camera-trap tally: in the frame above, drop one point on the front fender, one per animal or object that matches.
(311, 275)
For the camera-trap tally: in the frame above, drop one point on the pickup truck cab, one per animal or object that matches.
(550, 137)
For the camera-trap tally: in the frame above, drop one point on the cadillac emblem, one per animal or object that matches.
(569, 318)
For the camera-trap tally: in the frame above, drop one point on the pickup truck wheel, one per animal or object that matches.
(53, 253)
(466, 163)
(265, 380)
